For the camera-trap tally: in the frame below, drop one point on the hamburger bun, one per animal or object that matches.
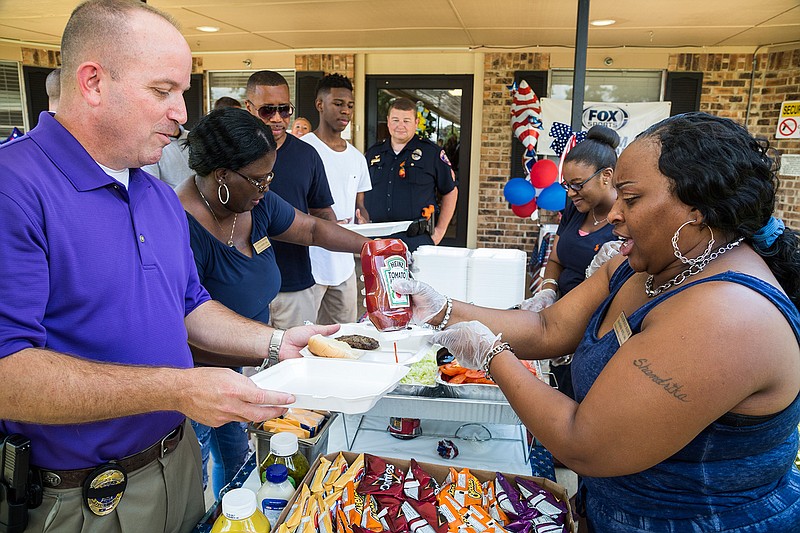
(327, 347)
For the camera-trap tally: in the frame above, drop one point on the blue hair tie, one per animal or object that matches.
(766, 236)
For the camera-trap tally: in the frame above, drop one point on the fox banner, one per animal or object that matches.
(628, 120)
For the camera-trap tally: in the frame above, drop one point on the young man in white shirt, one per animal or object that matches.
(348, 177)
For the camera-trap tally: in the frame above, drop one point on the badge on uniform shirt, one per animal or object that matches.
(622, 329)
(416, 155)
(261, 244)
(375, 160)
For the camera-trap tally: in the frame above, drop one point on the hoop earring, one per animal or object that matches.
(227, 193)
(677, 251)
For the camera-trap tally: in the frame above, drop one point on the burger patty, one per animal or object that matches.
(360, 342)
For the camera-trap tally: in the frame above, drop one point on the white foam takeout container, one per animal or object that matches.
(378, 229)
(412, 343)
(340, 385)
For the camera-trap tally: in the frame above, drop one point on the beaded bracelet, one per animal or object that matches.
(446, 319)
(503, 346)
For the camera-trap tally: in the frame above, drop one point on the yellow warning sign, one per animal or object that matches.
(789, 121)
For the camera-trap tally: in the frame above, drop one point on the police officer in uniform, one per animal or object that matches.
(407, 172)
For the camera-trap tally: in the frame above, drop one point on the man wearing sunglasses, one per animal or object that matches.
(300, 180)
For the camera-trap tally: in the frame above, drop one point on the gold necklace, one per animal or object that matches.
(598, 222)
(233, 228)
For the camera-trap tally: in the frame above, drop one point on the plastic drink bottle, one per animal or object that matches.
(284, 449)
(275, 493)
(383, 261)
(240, 514)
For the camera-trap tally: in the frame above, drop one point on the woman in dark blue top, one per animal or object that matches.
(588, 169)
(233, 217)
(687, 345)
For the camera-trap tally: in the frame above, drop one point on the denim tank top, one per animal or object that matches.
(728, 478)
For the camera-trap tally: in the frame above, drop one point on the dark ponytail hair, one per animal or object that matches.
(597, 150)
(718, 168)
(228, 137)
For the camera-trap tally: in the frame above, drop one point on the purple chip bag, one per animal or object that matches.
(508, 498)
(536, 497)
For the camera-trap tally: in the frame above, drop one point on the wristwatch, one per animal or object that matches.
(274, 349)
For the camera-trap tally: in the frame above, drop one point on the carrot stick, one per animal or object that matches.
(396, 360)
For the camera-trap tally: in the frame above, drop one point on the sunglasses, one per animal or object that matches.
(262, 185)
(578, 186)
(266, 111)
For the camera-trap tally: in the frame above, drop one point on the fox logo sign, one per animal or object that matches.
(608, 115)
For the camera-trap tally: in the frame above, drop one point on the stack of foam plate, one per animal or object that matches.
(496, 277)
(490, 277)
(443, 268)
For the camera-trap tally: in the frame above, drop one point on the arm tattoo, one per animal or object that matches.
(668, 384)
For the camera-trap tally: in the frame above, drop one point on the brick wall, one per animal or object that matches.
(726, 92)
(498, 227)
(343, 64)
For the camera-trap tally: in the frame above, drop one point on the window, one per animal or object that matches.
(12, 109)
(233, 83)
(610, 85)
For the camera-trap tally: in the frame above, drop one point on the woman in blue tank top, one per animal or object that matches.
(687, 345)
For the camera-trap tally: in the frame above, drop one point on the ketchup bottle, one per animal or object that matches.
(382, 262)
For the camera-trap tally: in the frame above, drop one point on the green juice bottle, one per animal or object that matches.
(284, 450)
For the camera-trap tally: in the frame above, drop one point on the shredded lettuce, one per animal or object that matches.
(423, 372)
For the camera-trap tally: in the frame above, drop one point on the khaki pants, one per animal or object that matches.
(337, 304)
(290, 309)
(166, 495)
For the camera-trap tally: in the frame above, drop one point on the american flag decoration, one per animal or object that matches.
(564, 140)
(15, 133)
(538, 262)
(526, 116)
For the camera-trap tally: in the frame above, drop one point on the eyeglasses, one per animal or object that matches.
(262, 185)
(578, 186)
(266, 111)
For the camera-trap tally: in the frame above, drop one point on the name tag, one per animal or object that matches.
(622, 329)
(262, 244)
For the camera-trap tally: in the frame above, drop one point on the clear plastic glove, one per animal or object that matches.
(606, 252)
(541, 300)
(468, 341)
(426, 303)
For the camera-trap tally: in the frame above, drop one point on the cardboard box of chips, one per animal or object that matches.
(556, 493)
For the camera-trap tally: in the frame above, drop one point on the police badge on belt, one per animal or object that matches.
(104, 487)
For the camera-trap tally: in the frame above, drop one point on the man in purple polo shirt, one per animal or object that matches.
(99, 293)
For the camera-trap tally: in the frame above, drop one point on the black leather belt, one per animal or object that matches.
(70, 479)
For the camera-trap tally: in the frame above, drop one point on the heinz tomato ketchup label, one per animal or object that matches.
(382, 262)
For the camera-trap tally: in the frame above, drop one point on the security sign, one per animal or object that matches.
(789, 121)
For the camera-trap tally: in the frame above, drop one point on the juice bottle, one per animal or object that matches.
(240, 514)
(284, 449)
(383, 261)
(275, 493)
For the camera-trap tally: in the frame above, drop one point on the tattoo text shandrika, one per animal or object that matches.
(673, 388)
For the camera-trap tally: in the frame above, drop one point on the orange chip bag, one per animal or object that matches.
(463, 487)
(491, 504)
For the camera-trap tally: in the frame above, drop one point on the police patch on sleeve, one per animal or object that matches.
(443, 157)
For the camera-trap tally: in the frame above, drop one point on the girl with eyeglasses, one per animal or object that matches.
(583, 230)
(233, 217)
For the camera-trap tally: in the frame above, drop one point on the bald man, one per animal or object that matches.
(96, 369)
(52, 85)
